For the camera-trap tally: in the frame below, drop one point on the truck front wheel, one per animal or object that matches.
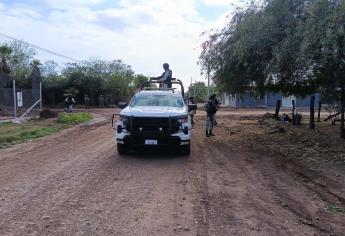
(121, 149)
(185, 150)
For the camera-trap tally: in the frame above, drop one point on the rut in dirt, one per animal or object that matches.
(75, 183)
(251, 192)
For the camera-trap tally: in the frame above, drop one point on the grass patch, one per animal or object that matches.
(334, 209)
(11, 133)
(17, 133)
(74, 118)
(27, 135)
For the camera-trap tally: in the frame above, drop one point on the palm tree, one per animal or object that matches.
(5, 52)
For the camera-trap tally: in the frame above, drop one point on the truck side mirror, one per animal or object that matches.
(122, 105)
(192, 107)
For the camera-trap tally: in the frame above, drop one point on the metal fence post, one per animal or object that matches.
(41, 104)
(14, 99)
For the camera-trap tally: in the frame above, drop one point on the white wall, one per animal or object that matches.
(229, 100)
(287, 101)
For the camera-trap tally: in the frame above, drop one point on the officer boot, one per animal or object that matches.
(211, 134)
(207, 133)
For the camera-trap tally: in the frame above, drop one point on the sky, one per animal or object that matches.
(143, 33)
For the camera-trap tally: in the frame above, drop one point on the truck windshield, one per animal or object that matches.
(161, 100)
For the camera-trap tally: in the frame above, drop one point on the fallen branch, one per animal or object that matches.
(331, 116)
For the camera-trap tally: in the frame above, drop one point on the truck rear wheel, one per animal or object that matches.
(121, 149)
(185, 150)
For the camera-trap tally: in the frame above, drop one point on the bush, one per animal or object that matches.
(74, 118)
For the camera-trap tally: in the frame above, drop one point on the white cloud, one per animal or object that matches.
(65, 4)
(2, 6)
(24, 13)
(222, 2)
(144, 33)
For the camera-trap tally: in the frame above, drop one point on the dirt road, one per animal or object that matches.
(74, 183)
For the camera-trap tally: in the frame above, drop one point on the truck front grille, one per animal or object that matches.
(144, 124)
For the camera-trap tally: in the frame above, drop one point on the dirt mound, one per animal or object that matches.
(263, 120)
(268, 116)
(46, 113)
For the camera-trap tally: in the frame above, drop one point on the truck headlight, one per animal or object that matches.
(185, 130)
(119, 128)
(124, 120)
(183, 119)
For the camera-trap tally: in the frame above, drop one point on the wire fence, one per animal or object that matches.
(15, 101)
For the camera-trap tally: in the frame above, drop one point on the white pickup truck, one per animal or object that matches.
(155, 118)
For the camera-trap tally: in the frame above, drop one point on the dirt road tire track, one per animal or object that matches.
(75, 183)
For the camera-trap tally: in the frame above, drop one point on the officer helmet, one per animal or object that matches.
(166, 66)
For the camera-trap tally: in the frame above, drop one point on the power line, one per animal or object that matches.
(40, 48)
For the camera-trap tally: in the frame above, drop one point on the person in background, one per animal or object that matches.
(87, 101)
(69, 103)
(211, 109)
(192, 113)
(165, 78)
(101, 100)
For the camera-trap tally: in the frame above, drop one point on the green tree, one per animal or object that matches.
(198, 90)
(5, 52)
(114, 79)
(22, 57)
(324, 46)
(293, 46)
(19, 57)
(53, 82)
(138, 80)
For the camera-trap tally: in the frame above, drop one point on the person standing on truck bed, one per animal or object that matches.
(211, 109)
(165, 78)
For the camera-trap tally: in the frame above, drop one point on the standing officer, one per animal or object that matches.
(211, 109)
(165, 78)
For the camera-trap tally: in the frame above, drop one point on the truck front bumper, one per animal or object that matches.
(163, 139)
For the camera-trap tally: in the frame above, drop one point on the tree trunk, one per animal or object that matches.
(92, 97)
(319, 112)
(53, 97)
(342, 131)
(312, 111)
(293, 112)
(278, 105)
(341, 78)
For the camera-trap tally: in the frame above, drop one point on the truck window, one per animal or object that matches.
(157, 100)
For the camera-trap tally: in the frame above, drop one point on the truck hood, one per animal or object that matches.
(154, 111)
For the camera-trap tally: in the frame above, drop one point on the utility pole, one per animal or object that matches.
(208, 81)
(14, 99)
(41, 102)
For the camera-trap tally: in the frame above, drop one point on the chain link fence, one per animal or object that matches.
(15, 101)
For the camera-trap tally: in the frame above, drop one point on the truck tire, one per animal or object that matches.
(121, 149)
(185, 150)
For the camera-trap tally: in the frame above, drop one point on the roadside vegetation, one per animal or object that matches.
(74, 118)
(11, 133)
(292, 46)
(105, 82)
(199, 91)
